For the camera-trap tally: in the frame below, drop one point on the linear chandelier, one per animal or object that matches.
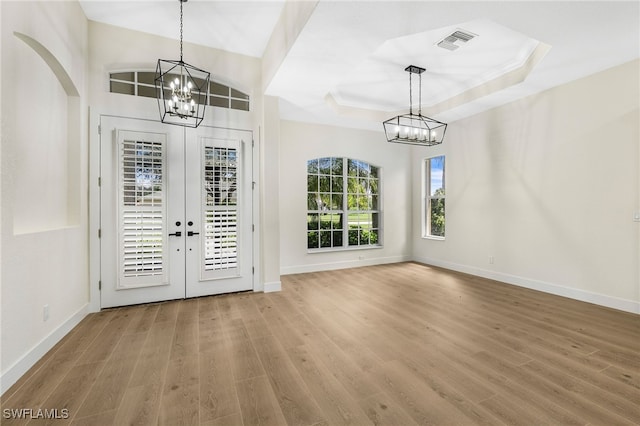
(414, 129)
(181, 90)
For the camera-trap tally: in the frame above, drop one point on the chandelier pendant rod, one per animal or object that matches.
(181, 1)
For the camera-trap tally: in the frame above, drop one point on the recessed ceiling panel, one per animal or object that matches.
(483, 52)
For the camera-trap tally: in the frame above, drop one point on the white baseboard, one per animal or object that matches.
(28, 360)
(272, 286)
(559, 290)
(330, 266)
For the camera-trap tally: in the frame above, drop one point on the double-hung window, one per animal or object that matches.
(343, 204)
(434, 197)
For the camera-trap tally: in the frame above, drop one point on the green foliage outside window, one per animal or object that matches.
(332, 184)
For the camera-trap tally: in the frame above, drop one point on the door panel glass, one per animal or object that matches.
(142, 213)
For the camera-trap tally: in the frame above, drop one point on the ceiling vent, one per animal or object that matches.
(455, 40)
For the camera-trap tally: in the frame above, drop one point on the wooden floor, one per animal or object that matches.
(398, 344)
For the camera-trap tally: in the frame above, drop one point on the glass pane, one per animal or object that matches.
(352, 168)
(312, 166)
(373, 185)
(124, 88)
(373, 236)
(312, 240)
(312, 201)
(436, 176)
(312, 222)
(336, 184)
(363, 202)
(363, 186)
(240, 105)
(374, 202)
(219, 102)
(337, 221)
(147, 91)
(336, 166)
(325, 238)
(325, 166)
(336, 202)
(218, 89)
(374, 172)
(126, 76)
(353, 237)
(326, 221)
(337, 238)
(146, 77)
(325, 202)
(352, 202)
(324, 184)
(375, 220)
(437, 217)
(238, 94)
(364, 238)
(312, 183)
(352, 185)
(354, 220)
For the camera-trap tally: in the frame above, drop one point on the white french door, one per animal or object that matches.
(176, 215)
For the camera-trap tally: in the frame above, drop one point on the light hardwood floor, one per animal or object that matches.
(398, 344)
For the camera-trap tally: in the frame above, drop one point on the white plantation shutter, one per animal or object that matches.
(220, 212)
(142, 211)
(221, 240)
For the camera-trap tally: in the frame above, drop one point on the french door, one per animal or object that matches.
(176, 214)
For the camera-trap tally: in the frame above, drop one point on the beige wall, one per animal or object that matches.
(44, 185)
(300, 142)
(547, 186)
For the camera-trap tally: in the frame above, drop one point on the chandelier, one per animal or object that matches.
(415, 129)
(181, 89)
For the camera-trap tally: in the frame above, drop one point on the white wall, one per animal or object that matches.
(44, 186)
(300, 142)
(547, 186)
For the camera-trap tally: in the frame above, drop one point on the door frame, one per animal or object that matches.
(95, 206)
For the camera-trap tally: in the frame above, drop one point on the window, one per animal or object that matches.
(434, 197)
(343, 203)
(142, 83)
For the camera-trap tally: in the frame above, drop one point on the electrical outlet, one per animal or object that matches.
(491, 260)
(45, 313)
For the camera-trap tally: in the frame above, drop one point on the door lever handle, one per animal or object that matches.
(176, 234)
(191, 233)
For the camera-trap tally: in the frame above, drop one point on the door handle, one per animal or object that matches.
(191, 233)
(176, 234)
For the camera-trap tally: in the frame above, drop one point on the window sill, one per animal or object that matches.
(432, 237)
(335, 249)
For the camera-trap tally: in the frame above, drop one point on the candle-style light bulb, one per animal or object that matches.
(433, 136)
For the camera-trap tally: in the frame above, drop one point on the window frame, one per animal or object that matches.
(427, 198)
(344, 211)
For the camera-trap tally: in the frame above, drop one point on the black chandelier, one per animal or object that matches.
(415, 129)
(181, 90)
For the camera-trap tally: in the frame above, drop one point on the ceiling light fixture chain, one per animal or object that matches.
(182, 89)
(181, 1)
(415, 129)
